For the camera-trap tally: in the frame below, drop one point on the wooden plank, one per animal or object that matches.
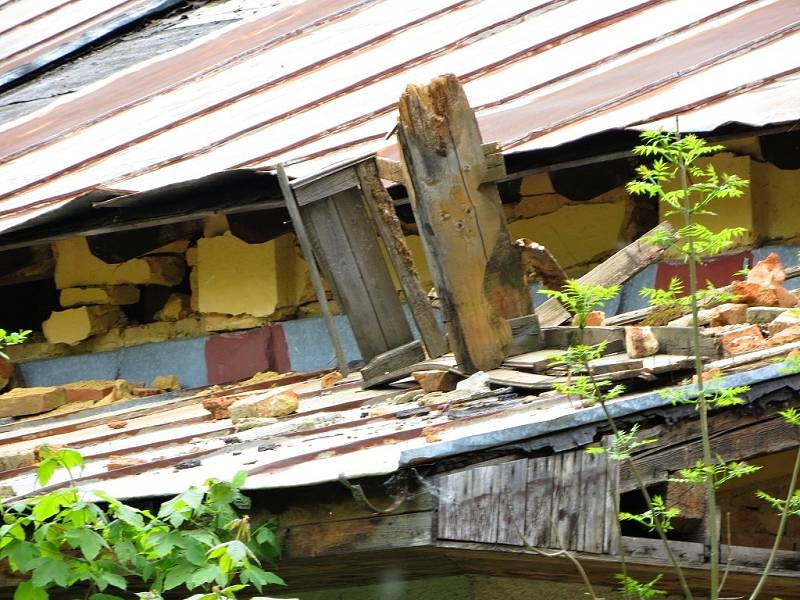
(477, 271)
(593, 502)
(512, 502)
(359, 535)
(738, 442)
(611, 521)
(566, 501)
(454, 490)
(379, 205)
(353, 263)
(304, 239)
(325, 187)
(525, 335)
(616, 270)
(389, 365)
(540, 501)
(532, 361)
(483, 506)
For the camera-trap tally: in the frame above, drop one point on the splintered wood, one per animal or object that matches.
(477, 270)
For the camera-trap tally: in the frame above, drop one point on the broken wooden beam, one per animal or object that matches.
(476, 269)
(380, 207)
(392, 170)
(539, 260)
(615, 270)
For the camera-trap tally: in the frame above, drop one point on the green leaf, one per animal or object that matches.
(259, 577)
(27, 591)
(239, 479)
(203, 576)
(104, 597)
(45, 471)
(51, 571)
(115, 580)
(178, 576)
(89, 542)
(131, 516)
(70, 458)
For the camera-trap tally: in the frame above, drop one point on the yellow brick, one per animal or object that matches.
(77, 324)
(775, 197)
(109, 294)
(76, 266)
(533, 185)
(31, 401)
(215, 225)
(237, 278)
(177, 307)
(578, 233)
(148, 334)
(191, 256)
(176, 247)
(189, 327)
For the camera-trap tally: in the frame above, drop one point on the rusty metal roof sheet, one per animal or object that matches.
(318, 82)
(34, 35)
(170, 441)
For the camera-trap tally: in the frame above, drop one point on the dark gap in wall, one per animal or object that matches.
(782, 149)
(27, 305)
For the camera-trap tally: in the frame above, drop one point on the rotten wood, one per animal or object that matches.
(539, 260)
(616, 270)
(476, 269)
(392, 170)
(379, 205)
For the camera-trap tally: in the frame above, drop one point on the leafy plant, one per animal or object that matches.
(196, 541)
(643, 591)
(582, 298)
(12, 338)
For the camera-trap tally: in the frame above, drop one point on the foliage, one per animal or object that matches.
(673, 298)
(719, 473)
(623, 444)
(12, 338)
(671, 155)
(196, 541)
(582, 298)
(644, 591)
(657, 515)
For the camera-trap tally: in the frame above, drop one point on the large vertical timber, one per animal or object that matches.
(379, 204)
(477, 271)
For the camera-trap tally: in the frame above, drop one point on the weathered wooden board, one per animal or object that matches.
(558, 501)
(616, 270)
(348, 252)
(738, 442)
(379, 205)
(477, 271)
(358, 535)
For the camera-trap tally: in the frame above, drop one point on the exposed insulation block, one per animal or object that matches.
(107, 294)
(177, 307)
(168, 383)
(77, 324)
(237, 278)
(76, 266)
(31, 401)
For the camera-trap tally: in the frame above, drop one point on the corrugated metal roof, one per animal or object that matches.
(318, 82)
(340, 431)
(36, 34)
